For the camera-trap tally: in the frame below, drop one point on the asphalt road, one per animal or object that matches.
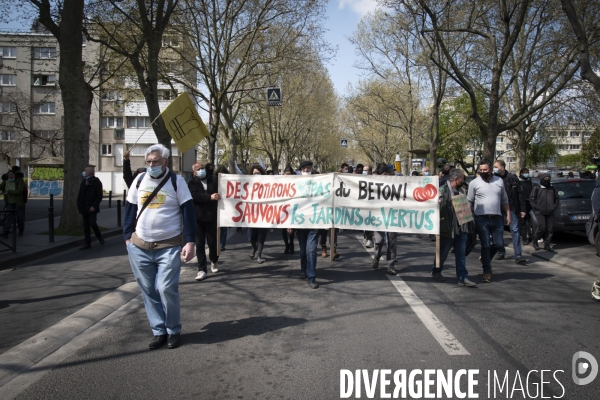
(257, 331)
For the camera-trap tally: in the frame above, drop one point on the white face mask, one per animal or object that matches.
(306, 172)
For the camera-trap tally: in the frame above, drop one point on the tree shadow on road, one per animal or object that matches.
(217, 332)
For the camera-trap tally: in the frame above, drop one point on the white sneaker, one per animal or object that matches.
(369, 244)
(201, 276)
(213, 267)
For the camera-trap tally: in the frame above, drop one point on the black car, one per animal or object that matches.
(575, 205)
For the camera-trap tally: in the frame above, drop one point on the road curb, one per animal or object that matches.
(27, 354)
(51, 249)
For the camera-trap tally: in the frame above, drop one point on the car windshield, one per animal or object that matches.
(574, 190)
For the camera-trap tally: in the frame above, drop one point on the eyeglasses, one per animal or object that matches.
(154, 162)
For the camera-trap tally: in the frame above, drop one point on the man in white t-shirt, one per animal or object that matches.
(153, 239)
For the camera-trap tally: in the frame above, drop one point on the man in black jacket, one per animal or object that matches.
(516, 202)
(88, 204)
(544, 200)
(204, 190)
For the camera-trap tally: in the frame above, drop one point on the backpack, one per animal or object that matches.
(173, 180)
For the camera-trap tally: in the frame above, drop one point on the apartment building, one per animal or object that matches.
(31, 112)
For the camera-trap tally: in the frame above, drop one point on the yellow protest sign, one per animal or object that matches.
(183, 123)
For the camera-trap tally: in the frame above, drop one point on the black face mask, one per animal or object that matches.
(485, 175)
(545, 183)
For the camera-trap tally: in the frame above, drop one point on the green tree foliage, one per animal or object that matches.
(540, 151)
(570, 161)
(591, 148)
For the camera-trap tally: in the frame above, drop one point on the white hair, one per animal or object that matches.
(164, 152)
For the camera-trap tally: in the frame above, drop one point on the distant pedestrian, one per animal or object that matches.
(204, 191)
(517, 206)
(452, 234)
(288, 234)
(488, 200)
(88, 205)
(544, 200)
(157, 211)
(527, 225)
(382, 238)
(307, 239)
(12, 189)
(257, 236)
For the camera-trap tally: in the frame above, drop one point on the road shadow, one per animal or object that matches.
(217, 332)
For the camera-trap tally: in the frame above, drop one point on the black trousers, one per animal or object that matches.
(89, 220)
(206, 232)
(545, 228)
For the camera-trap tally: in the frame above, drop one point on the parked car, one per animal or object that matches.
(575, 204)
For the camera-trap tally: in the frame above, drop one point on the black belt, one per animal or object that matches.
(490, 216)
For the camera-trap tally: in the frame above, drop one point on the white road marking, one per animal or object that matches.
(439, 331)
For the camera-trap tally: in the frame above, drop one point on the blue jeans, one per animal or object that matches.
(459, 242)
(308, 239)
(157, 274)
(516, 236)
(486, 226)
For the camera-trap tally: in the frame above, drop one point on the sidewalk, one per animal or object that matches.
(35, 241)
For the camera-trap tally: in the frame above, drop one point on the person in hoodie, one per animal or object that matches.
(544, 200)
(88, 205)
(527, 225)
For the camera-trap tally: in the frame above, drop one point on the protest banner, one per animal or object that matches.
(362, 202)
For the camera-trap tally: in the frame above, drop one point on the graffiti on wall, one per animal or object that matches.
(45, 181)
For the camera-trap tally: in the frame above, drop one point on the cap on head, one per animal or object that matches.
(385, 169)
(304, 164)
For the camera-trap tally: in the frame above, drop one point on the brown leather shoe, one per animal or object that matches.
(323, 251)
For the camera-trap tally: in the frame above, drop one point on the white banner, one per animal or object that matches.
(348, 201)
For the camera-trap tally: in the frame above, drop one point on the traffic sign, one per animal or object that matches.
(274, 96)
(344, 142)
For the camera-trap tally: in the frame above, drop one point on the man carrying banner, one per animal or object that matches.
(308, 238)
(388, 237)
(455, 215)
(488, 199)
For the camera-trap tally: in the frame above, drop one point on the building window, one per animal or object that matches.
(167, 94)
(112, 95)
(44, 52)
(44, 108)
(112, 122)
(8, 108)
(8, 52)
(119, 134)
(138, 122)
(510, 160)
(509, 146)
(574, 134)
(45, 135)
(7, 135)
(44, 80)
(8, 80)
(138, 150)
(170, 41)
(500, 139)
(107, 149)
(574, 147)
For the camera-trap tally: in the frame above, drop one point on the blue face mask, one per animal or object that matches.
(426, 173)
(526, 176)
(155, 170)
(496, 171)
(83, 174)
(201, 173)
(365, 173)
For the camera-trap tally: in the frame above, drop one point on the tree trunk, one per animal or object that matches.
(77, 102)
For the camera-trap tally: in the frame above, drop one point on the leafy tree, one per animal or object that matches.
(540, 151)
(591, 148)
(570, 161)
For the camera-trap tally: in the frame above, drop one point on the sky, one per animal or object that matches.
(342, 19)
